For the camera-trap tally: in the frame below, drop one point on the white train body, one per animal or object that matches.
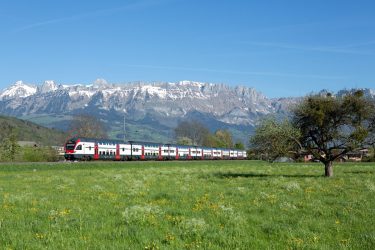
(97, 149)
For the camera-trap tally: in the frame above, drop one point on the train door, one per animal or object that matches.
(118, 152)
(96, 152)
(143, 152)
(160, 157)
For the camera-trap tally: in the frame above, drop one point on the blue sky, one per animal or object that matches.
(281, 48)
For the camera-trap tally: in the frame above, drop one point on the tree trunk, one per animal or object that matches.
(328, 167)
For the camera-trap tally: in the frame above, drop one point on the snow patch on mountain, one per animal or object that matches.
(18, 90)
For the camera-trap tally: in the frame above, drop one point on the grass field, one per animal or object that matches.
(186, 205)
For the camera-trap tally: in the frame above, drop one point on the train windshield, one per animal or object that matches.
(70, 146)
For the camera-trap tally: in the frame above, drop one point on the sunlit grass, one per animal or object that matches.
(186, 205)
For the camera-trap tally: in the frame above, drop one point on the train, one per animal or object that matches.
(86, 149)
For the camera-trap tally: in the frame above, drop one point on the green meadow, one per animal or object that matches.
(186, 205)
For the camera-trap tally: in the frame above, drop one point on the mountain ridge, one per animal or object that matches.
(237, 108)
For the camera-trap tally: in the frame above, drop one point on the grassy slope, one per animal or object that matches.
(177, 205)
(28, 131)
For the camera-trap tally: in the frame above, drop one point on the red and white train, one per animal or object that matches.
(102, 149)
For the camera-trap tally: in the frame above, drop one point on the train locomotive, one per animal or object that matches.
(81, 148)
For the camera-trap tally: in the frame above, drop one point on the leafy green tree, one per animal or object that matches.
(9, 147)
(273, 139)
(220, 139)
(225, 138)
(184, 141)
(333, 126)
(239, 145)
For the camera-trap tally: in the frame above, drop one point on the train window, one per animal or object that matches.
(123, 149)
(90, 148)
(70, 146)
(79, 147)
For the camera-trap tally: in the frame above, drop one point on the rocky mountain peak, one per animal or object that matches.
(18, 90)
(48, 86)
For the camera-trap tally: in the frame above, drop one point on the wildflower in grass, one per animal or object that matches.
(33, 209)
(370, 186)
(141, 214)
(201, 203)
(64, 212)
(175, 220)
(309, 190)
(337, 222)
(97, 188)
(39, 236)
(83, 238)
(256, 202)
(292, 186)
(168, 239)
(53, 214)
(152, 246)
(314, 239)
(271, 198)
(345, 242)
(117, 177)
(286, 206)
(194, 244)
(226, 210)
(194, 226)
(296, 241)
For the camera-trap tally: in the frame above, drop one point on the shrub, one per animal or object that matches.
(38, 154)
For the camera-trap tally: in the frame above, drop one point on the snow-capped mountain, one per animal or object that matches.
(232, 105)
(158, 105)
(18, 90)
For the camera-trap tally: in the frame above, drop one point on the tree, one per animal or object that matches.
(239, 145)
(184, 141)
(333, 126)
(87, 126)
(9, 147)
(225, 138)
(193, 130)
(220, 139)
(273, 139)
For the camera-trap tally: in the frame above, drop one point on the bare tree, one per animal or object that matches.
(193, 130)
(87, 126)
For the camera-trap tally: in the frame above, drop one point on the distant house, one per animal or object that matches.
(356, 155)
(28, 144)
(308, 157)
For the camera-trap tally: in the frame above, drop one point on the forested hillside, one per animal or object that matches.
(28, 131)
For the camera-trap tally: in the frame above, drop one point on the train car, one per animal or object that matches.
(102, 149)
